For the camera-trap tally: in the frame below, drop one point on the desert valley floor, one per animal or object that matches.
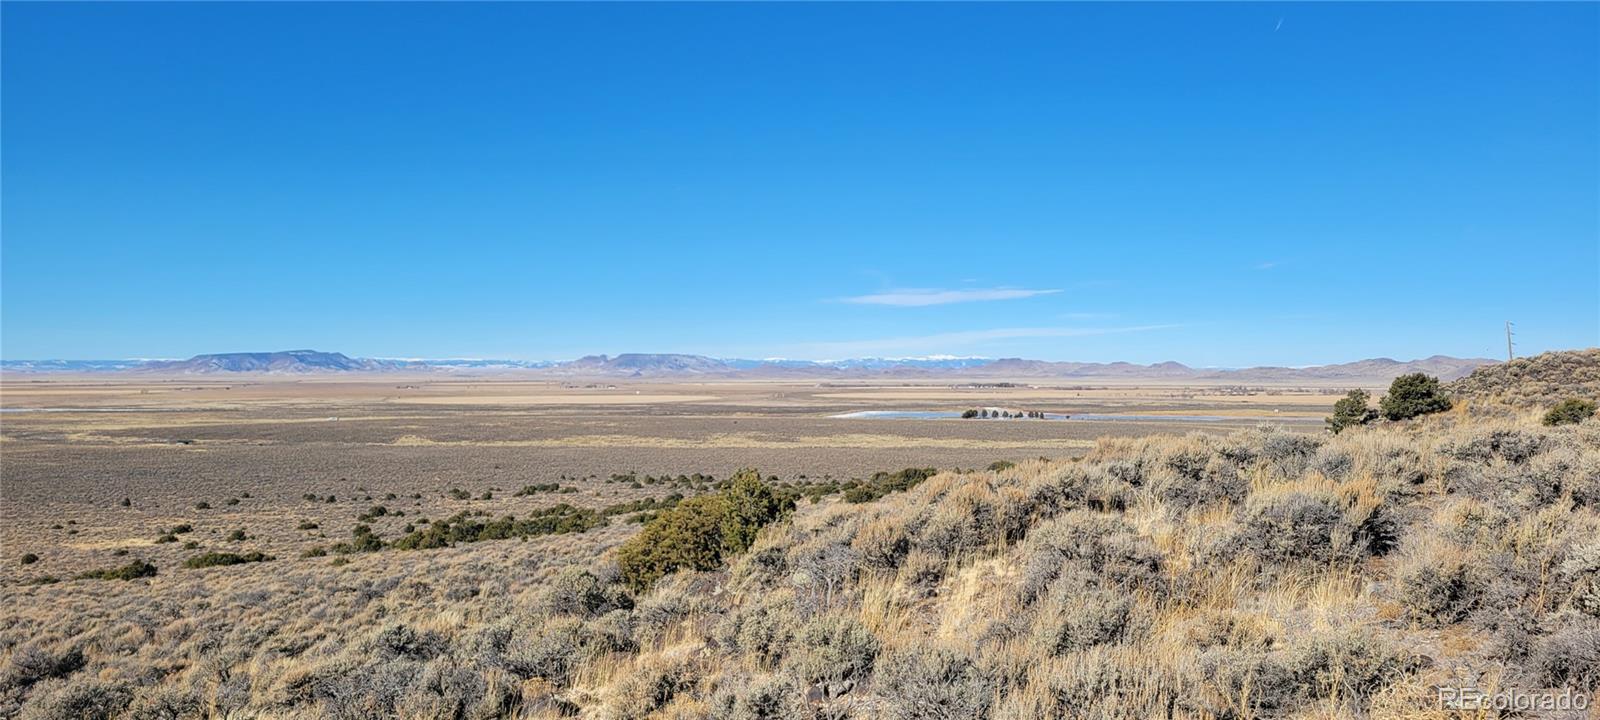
(254, 448)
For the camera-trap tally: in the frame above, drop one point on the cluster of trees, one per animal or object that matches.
(1417, 394)
(986, 414)
(1409, 396)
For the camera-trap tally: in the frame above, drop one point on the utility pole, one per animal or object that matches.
(1509, 356)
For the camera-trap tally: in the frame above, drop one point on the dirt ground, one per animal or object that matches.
(252, 449)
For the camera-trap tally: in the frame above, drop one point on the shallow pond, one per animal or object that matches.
(1081, 417)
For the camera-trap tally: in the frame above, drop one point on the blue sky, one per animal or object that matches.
(1229, 184)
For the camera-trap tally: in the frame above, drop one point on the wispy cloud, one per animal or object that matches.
(1267, 265)
(1088, 315)
(923, 297)
(946, 343)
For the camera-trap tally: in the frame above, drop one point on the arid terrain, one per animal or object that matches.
(254, 546)
(76, 448)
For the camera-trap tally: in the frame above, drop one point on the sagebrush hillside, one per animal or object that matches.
(1542, 379)
(1260, 574)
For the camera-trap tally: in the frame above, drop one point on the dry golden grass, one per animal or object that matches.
(1253, 574)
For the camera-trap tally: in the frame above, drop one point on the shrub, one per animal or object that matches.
(574, 591)
(202, 505)
(215, 559)
(1291, 526)
(1440, 590)
(361, 540)
(463, 527)
(29, 558)
(237, 535)
(751, 505)
(37, 661)
(919, 683)
(1569, 656)
(85, 699)
(687, 536)
(768, 698)
(1413, 395)
(764, 632)
(834, 648)
(1570, 412)
(307, 525)
(131, 571)
(397, 640)
(1084, 620)
(373, 513)
(1580, 572)
(699, 532)
(537, 488)
(551, 652)
(883, 544)
(1351, 411)
(653, 686)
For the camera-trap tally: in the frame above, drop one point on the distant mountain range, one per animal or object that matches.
(670, 366)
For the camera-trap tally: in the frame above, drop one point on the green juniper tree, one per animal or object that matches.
(1413, 395)
(1350, 411)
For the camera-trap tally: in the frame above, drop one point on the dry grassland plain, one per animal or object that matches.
(252, 448)
(99, 473)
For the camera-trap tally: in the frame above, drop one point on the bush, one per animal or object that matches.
(751, 505)
(464, 528)
(85, 699)
(700, 532)
(652, 686)
(1413, 395)
(552, 652)
(38, 661)
(1570, 412)
(688, 536)
(933, 683)
(1569, 656)
(1580, 572)
(1440, 591)
(1084, 620)
(768, 698)
(1351, 411)
(29, 558)
(1292, 526)
(574, 591)
(834, 648)
(215, 559)
(131, 571)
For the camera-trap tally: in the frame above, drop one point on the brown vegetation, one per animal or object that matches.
(1539, 380)
(1258, 574)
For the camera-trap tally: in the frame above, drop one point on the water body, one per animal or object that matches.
(1083, 417)
(98, 409)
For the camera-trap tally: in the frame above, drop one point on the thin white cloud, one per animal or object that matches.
(947, 343)
(1088, 315)
(925, 297)
(1268, 265)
